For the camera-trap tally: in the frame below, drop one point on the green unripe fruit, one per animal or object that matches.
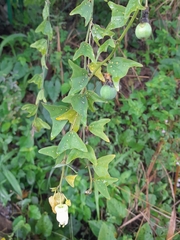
(143, 30)
(108, 92)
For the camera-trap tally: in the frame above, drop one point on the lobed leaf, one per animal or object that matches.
(85, 9)
(92, 97)
(37, 79)
(118, 68)
(71, 179)
(90, 155)
(101, 169)
(118, 18)
(73, 117)
(92, 66)
(104, 46)
(79, 78)
(101, 187)
(54, 112)
(80, 105)
(49, 151)
(45, 12)
(41, 46)
(71, 141)
(85, 50)
(132, 6)
(45, 28)
(39, 124)
(40, 97)
(99, 33)
(97, 128)
(30, 108)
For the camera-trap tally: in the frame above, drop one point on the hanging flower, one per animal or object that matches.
(62, 214)
(57, 198)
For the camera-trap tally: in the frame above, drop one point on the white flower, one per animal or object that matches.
(62, 214)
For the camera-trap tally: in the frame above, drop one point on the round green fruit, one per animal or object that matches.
(108, 92)
(143, 30)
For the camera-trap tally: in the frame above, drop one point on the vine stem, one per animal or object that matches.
(118, 41)
(60, 182)
(146, 4)
(90, 178)
(88, 35)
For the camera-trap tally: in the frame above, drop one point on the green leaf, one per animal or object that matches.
(30, 108)
(31, 177)
(90, 155)
(102, 188)
(126, 193)
(80, 105)
(37, 79)
(4, 195)
(40, 97)
(46, 11)
(70, 141)
(33, 212)
(117, 209)
(5, 126)
(73, 117)
(10, 39)
(84, 50)
(125, 176)
(97, 128)
(45, 28)
(49, 151)
(79, 78)
(39, 124)
(92, 66)
(118, 18)
(54, 112)
(65, 87)
(6, 67)
(95, 226)
(85, 9)
(92, 97)
(99, 33)
(41, 46)
(101, 169)
(107, 232)
(53, 88)
(145, 232)
(108, 180)
(21, 229)
(12, 180)
(118, 68)
(43, 61)
(132, 6)
(104, 46)
(44, 226)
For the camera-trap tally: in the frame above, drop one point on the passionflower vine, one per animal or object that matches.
(62, 214)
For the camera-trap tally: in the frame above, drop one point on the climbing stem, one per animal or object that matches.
(118, 41)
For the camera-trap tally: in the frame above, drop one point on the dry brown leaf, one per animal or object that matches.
(172, 225)
(57, 198)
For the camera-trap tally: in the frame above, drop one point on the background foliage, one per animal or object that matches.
(144, 130)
